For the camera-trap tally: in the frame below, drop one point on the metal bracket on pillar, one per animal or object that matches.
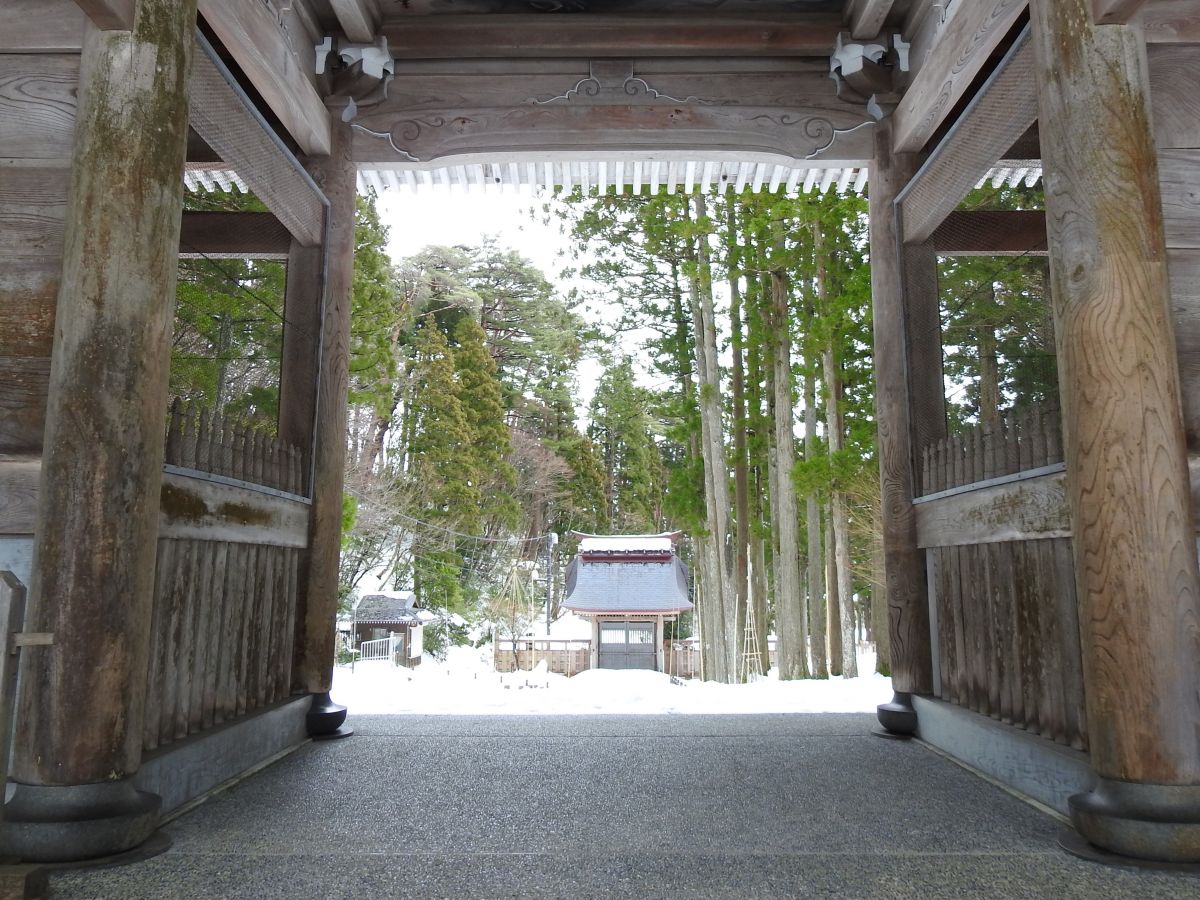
(897, 719)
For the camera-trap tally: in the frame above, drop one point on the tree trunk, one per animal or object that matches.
(791, 625)
(741, 479)
(989, 372)
(816, 580)
(833, 620)
(838, 519)
(716, 471)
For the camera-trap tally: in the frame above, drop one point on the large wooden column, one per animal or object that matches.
(1127, 479)
(79, 738)
(903, 561)
(336, 175)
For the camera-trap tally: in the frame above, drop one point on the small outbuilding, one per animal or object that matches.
(378, 616)
(629, 586)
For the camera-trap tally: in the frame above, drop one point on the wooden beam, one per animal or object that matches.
(1127, 479)
(233, 235)
(358, 18)
(1177, 174)
(1171, 22)
(500, 36)
(201, 509)
(237, 135)
(109, 15)
(18, 493)
(866, 17)
(1004, 109)
(990, 233)
(964, 45)
(1017, 510)
(1115, 12)
(1175, 95)
(41, 26)
(264, 52)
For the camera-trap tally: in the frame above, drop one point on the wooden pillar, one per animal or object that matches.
(1127, 479)
(336, 175)
(903, 561)
(97, 525)
(300, 363)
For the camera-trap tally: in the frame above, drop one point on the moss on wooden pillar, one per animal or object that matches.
(336, 175)
(1127, 478)
(93, 567)
(903, 561)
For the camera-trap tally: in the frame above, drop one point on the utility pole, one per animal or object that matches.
(551, 543)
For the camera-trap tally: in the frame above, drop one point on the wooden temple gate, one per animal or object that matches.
(1041, 572)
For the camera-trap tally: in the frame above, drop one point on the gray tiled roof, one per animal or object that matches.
(621, 586)
(386, 609)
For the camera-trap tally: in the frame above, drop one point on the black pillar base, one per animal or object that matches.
(898, 718)
(324, 719)
(74, 822)
(1159, 822)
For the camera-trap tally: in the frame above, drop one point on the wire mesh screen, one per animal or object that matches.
(248, 201)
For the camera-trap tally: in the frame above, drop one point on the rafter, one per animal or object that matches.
(866, 17)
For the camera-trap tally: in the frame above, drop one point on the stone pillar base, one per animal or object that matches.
(898, 717)
(1159, 822)
(73, 822)
(324, 719)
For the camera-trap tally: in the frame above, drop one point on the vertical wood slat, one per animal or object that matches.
(159, 620)
(216, 619)
(1072, 659)
(205, 604)
(185, 646)
(956, 616)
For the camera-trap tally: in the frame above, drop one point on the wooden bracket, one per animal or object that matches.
(31, 639)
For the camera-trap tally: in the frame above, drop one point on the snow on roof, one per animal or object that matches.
(386, 607)
(596, 543)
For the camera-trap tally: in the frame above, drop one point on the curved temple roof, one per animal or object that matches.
(602, 580)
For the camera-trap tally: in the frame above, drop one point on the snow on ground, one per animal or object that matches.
(466, 685)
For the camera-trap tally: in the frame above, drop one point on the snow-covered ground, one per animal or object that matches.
(466, 685)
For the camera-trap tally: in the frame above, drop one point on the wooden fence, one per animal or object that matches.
(1019, 442)
(564, 657)
(220, 445)
(227, 576)
(996, 532)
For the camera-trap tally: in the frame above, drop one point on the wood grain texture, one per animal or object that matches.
(1175, 95)
(1032, 509)
(1184, 268)
(300, 359)
(1115, 12)
(904, 570)
(268, 57)
(24, 386)
(1179, 178)
(1171, 21)
(198, 509)
(1127, 481)
(625, 37)
(866, 17)
(102, 462)
(28, 295)
(223, 121)
(336, 176)
(109, 15)
(37, 105)
(971, 32)
(358, 18)
(33, 206)
(40, 26)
